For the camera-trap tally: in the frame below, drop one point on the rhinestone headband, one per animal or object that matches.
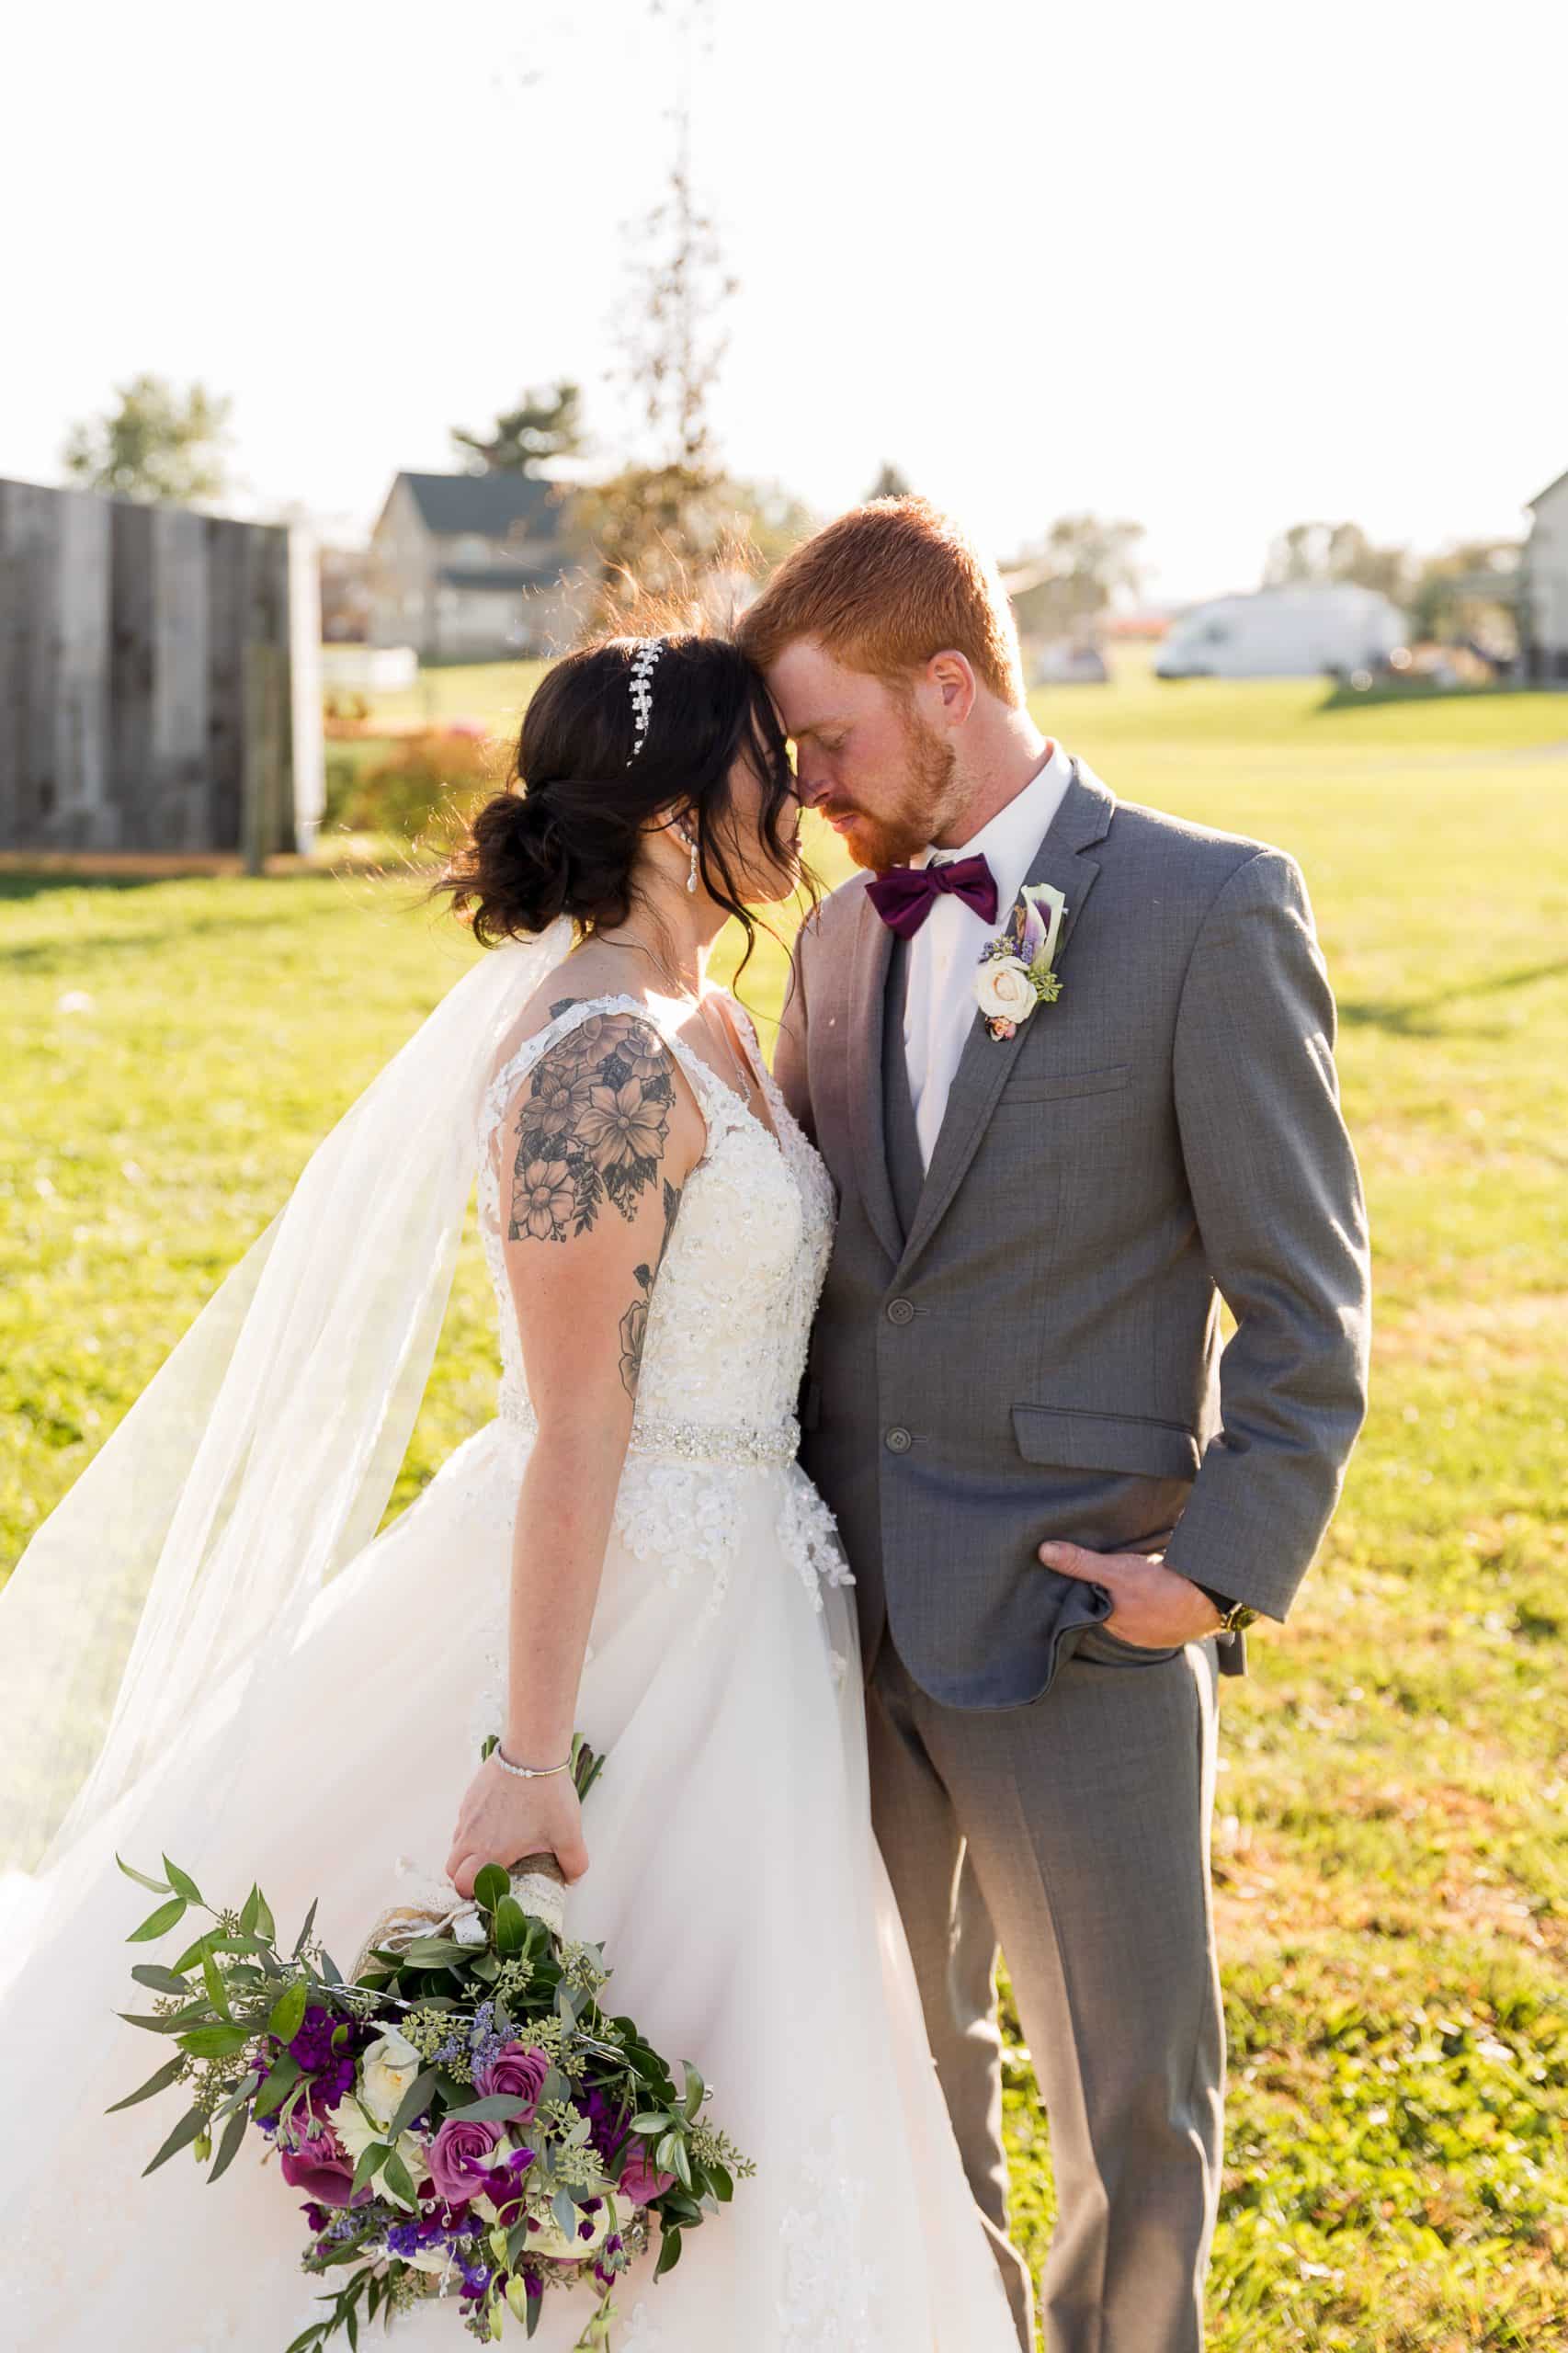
(642, 663)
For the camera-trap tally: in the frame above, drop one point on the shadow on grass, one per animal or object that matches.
(1415, 1018)
(1395, 690)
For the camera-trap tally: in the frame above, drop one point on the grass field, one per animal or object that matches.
(1391, 1860)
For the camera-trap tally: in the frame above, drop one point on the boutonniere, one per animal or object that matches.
(1015, 972)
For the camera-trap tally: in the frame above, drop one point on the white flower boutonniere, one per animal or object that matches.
(1016, 971)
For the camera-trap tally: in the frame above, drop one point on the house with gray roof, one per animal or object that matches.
(474, 566)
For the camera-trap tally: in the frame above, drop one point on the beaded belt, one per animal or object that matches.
(732, 1442)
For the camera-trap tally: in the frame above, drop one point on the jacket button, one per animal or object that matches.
(901, 1311)
(899, 1441)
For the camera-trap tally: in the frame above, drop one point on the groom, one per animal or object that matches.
(1061, 1497)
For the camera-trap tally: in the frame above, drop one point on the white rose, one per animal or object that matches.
(1003, 989)
(386, 2071)
(357, 2131)
(549, 2239)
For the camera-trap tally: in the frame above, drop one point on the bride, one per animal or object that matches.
(206, 1650)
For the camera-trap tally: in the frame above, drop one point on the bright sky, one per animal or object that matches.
(1216, 267)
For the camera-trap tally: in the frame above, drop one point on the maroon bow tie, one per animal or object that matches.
(905, 895)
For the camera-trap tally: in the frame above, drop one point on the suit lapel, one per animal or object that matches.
(1062, 859)
(867, 983)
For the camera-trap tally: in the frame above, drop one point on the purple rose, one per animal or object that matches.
(515, 2073)
(640, 2181)
(320, 2167)
(459, 2157)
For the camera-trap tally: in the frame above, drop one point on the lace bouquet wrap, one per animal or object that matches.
(462, 2117)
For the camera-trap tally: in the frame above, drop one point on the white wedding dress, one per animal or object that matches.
(734, 1879)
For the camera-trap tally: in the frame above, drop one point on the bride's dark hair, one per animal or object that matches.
(565, 836)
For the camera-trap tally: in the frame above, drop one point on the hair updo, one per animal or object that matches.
(566, 835)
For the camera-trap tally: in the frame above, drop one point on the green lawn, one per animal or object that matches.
(1391, 1860)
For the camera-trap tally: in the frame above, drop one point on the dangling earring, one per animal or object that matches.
(689, 838)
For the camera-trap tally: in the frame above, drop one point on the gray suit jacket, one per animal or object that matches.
(1039, 1356)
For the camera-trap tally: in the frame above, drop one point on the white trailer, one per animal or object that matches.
(1283, 634)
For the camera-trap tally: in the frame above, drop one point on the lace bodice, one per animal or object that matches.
(732, 1303)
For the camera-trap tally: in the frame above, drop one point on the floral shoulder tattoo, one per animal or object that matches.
(591, 1127)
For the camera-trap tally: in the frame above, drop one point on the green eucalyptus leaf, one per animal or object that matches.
(497, 2107)
(266, 1925)
(158, 1923)
(238, 2096)
(228, 2148)
(166, 2074)
(217, 1992)
(681, 2160)
(193, 1955)
(214, 2041)
(159, 1980)
(395, 2179)
(432, 1952)
(669, 2251)
(415, 2099)
(182, 1882)
(723, 2181)
(250, 1911)
(490, 1885)
(371, 2158)
(285, 2075)
(565, 2213)
(193, 2014)
(303, 1938)
(652, 2120)
(184, 2133)
(158, 1886)
(289, 2011)
(511, 1926)
(695, 2090)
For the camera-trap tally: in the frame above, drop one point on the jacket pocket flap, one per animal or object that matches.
(1062, 1436)
(1055, 1086)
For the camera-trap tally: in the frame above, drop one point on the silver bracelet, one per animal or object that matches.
(527, 1772)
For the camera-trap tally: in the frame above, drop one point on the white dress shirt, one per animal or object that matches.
(939, 1008)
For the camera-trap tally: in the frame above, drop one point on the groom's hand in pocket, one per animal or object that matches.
(1153, 1607)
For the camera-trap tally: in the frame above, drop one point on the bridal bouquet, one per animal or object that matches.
(462, 2118)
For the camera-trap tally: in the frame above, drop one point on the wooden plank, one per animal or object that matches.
(307, 748)
(226, 545)
(180, 794)
(12, 706)
(80, 719)
(27, 580)
(130, 675)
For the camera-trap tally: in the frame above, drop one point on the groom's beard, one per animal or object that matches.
(931, 794)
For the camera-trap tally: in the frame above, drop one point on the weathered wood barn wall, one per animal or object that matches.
(148, 691)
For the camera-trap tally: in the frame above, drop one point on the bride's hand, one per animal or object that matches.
(502, 1819)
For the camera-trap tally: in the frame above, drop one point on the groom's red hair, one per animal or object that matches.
(882, 589)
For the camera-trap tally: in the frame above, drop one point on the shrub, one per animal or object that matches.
(426, 780)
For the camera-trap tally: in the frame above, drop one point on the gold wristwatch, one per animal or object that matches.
(1234, 1616)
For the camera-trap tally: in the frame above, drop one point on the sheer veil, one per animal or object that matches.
(164, 1594)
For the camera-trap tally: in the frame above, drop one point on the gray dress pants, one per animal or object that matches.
(1075, 1832)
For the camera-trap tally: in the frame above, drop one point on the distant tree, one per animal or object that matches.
(1065, 580)
(667, 519)
(1321, 553)
(547, 422)
(1471, 590)
(158, 445)
(891, 482)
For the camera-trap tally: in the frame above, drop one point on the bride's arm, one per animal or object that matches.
(594, 1150)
